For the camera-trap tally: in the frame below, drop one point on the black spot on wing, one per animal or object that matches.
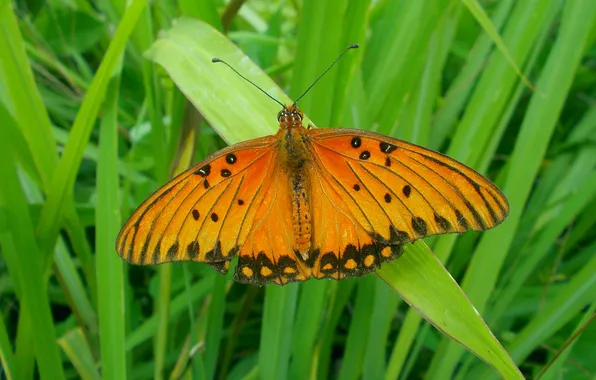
(215, 254)
(287, 267)
(312, 257)
(419, 226)
(192, 250)
(442, 223)
(173, 250)
(407, 190)
(156, 252)
(203, 171)
(328, 264)
(461, 220)
(387, 147)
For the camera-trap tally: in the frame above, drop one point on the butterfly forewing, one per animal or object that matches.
(204, 214)
(401, 192)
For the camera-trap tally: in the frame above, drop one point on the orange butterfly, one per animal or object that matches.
(326, 203)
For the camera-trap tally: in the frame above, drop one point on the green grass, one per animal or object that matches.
(94, 116)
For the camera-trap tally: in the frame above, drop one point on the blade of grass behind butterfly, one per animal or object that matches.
(555, 80)
(24, 355)
(110, 268)
(319, 42)
(356, 344)
(276, 337)
(399, 62)
(355, 23)
(394, 116)
(19, 239)
(414, 125)
(461, 87)
(308, 325)
(339, 296)
(75, 346)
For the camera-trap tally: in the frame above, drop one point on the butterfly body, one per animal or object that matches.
(294, 140)
(305, 202)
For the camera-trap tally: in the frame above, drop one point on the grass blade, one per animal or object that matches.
(110, 268)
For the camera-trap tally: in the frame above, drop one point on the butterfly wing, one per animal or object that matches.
(395, 192)
(342, 246)
(205, 213)
(267, 254)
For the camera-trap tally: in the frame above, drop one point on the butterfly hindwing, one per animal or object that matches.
(205, 213)
(267, 255)
(400, 192)
(342, 247)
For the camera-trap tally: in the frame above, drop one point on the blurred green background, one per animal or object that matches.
(89, 126)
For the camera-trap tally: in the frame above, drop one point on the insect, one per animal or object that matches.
(306, 202)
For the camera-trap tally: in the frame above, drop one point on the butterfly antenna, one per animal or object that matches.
(353, 46)
(217, 60)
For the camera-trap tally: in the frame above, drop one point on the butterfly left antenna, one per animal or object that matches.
(217, 60)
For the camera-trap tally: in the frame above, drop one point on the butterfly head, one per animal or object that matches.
(290, 117)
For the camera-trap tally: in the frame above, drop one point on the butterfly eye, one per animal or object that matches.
(280, 114)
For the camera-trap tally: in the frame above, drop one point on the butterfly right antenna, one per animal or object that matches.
(353, 46)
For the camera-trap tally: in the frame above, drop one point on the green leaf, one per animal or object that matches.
(422, 281)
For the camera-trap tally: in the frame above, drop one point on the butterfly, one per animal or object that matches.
(307, 202)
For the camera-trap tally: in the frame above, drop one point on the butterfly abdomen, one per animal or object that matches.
(301, 216)
(296, 162)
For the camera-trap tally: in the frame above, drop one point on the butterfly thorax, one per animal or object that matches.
(295, 160)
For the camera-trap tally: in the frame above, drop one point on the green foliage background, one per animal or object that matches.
(89, 126)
